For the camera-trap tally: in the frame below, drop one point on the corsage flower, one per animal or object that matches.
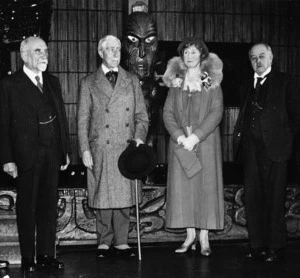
(205, 80)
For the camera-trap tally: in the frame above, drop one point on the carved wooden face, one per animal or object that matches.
(140, 44)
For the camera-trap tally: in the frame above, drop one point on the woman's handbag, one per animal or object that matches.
(188, 160)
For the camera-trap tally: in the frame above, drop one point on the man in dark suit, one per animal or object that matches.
(269, 119)
(33, 145)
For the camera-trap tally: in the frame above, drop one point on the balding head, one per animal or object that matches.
(261, 57)
(34, 53)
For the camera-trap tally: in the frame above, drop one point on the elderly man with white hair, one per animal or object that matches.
(34, 147)
(111, 113)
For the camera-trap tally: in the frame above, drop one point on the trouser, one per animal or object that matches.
(112, 225)
(36, 204)
(265, 191)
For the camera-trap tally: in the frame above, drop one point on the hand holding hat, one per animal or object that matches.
(138, 142)
(136, 162)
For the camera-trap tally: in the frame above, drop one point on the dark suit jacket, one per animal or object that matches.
(18, 118)
(280, 118)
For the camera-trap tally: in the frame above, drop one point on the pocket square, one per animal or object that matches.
(188, 161)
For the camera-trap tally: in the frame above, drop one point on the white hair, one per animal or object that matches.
(26, 41)
(104, 39)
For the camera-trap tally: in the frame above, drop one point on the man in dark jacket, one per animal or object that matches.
(268, 121)
(33, 147)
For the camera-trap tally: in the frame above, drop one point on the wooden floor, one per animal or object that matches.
(227, 260)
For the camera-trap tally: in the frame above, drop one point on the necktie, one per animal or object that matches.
(257, 95)
(39, 84)
(258, 84)
(112, 77)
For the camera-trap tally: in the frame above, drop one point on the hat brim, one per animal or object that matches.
(131, 155)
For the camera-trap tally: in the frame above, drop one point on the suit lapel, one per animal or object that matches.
(29, 91)
(274, 84)
(120, 87)
(47, 84)
(102, 83)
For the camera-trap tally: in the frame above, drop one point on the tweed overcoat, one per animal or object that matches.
(196, 202)
(107, 120)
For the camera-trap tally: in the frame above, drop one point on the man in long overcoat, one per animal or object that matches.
(111, 113)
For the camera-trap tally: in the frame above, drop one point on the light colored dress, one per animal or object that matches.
(197, 202)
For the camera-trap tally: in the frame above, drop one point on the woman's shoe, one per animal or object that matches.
(206, 251)
(185, 247)
(204, 243)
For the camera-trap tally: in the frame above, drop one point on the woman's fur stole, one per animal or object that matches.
(212, 65)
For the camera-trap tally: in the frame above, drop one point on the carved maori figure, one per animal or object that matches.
(139, 56)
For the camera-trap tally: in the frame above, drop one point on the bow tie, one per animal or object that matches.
(112, 77)
(111, 72)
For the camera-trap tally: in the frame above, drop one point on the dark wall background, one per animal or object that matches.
(228, 27)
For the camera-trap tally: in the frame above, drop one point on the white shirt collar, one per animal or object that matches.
(106, 69)
(263, 76)
(32, 75)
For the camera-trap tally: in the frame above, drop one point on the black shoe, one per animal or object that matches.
(124, 253)
(28, 264)
(48, 262)
(256, 253)
(103, 253)
(4, 264)
(272, 256)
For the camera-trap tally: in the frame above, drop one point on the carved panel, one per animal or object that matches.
(76, 221)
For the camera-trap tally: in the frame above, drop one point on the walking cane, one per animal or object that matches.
(138, 219)
(136, 163)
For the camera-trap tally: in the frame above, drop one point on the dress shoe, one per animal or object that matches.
(4, 264)
(103, 253)
(28, 264)
(256, 253)
(185, 247)
(271, 256)
(124, 253)
(48, 262)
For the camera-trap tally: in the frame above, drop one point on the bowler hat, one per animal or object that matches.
(137, 162)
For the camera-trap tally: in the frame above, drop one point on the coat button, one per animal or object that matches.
(107, 110)
(127, 109)
(107, 142)
(107, 126)
(127, 125)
